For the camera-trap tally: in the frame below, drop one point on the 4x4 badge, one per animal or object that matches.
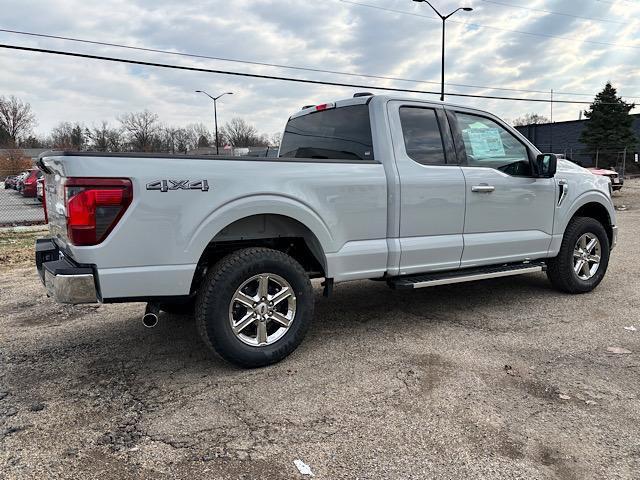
(166, 185)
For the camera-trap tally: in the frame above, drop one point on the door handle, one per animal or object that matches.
(483, 188)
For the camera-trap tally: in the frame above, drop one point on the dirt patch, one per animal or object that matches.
(17, 248)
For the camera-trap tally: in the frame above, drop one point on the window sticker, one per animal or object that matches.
(485, 142)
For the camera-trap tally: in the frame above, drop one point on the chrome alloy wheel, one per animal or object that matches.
(586, 256)
(262, 309)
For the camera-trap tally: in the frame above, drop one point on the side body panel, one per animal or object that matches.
(508, 218)
(582, 188)
(512, 223)
(432, 201)
(156, 246)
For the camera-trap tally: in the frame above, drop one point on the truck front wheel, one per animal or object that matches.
(254, 307)
(583, 257)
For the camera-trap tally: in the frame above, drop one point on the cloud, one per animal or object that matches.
(330, 35)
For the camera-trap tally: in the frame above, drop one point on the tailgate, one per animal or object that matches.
(54, 199)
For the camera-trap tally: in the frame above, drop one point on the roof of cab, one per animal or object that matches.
(380, 99)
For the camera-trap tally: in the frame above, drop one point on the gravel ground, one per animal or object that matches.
(496, 379)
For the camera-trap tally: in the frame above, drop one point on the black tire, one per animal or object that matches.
(560, 270)
(218, 289)
(186, 307)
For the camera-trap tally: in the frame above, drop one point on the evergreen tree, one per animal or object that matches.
(608, 129)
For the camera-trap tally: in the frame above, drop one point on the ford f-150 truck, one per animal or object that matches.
(411, 192)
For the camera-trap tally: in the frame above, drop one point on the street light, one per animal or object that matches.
(444, 18)
(215, 112)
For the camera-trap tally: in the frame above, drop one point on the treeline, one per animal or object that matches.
(136, 131)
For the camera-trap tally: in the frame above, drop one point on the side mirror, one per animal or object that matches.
(546, 165)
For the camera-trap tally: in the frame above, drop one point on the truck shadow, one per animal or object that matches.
(361, 308)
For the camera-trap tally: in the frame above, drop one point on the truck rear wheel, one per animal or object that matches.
(254, 307)
(583, 257)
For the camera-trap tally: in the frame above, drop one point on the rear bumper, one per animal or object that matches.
(614, 236)
(65, 281)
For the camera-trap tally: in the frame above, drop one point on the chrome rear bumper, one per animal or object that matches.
(65, 281)
(73, 289)
(614, 236)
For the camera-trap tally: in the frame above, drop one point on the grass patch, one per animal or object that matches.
(18, 248)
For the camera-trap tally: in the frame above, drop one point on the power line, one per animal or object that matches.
(545, 35)
(289, 79)
(276, 65)
(618, 2)
(510, 5)
(273, 77)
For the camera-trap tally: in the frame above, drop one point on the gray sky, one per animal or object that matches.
(326, 34)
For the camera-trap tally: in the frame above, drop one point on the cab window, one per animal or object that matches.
(422, 137)
(488, 144)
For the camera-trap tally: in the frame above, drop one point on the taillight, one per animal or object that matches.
(94, 206)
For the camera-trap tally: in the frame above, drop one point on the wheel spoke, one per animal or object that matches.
(578, 266)
(281, 295)
(583, 242)
(244, 299)
(243, 323)
(594, 258)
(577, 254)
(591, 245)
(263, 286)
(262, 333)
(281, 319)
(586, 269)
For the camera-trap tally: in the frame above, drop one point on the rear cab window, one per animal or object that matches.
(335, 133)
(422, 135)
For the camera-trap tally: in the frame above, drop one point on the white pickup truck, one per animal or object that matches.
(413, 192)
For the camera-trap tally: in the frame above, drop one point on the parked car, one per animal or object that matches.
(29, 183)
(20, 181)
(40, 189)
(616, 180)
(414, 193)
(10, 182)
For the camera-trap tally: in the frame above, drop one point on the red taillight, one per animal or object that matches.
(94, 206)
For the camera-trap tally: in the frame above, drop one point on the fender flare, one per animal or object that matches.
(243, 207)
(591, 196)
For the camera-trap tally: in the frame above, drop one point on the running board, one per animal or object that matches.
(467, 275)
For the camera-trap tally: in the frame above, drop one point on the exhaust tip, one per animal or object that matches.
(150, 317)
(150, 320)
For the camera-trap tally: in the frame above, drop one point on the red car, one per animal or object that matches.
(616, 181)
(29, 188)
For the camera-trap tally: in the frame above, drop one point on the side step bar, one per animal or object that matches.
(466, 275)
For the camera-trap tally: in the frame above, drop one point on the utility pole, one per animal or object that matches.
(444, 19)
(551, 126)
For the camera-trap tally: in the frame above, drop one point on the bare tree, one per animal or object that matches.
(240, 134)
(530, 119)
(105, 138)
(142, 129)
(14, 161)
(201, 134)
(68, 136)
(16, 118)
(274, 139)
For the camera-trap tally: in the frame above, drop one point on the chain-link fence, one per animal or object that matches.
(19, 201)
